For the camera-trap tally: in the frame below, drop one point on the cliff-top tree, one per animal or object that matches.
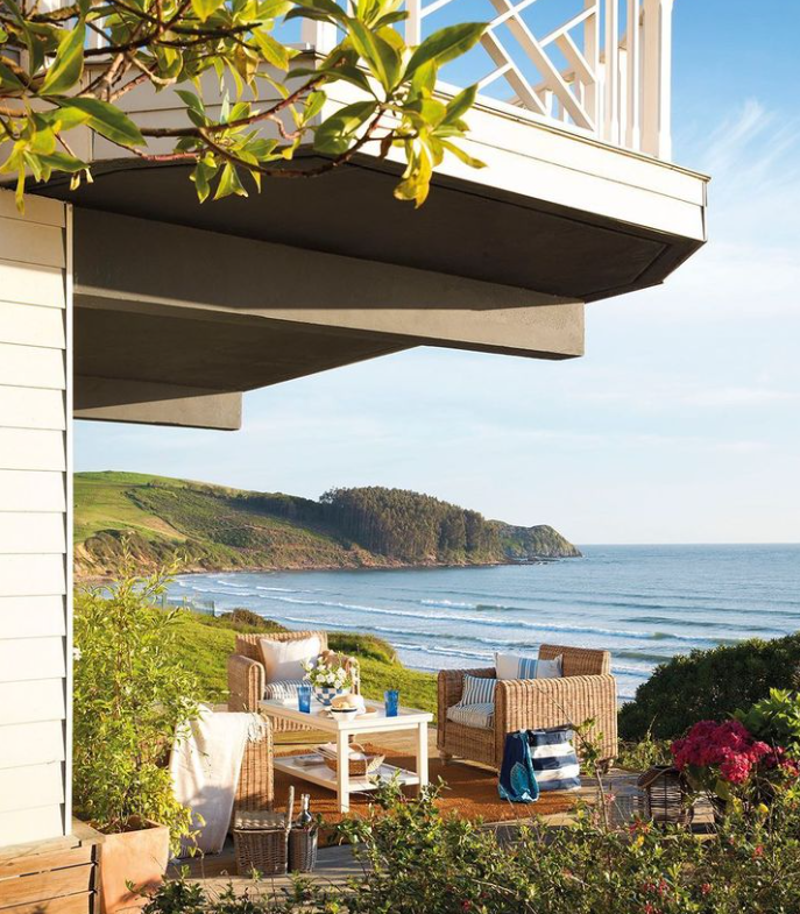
(67, 67)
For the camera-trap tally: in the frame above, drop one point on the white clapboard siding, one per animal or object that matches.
(23, 827)
(32, 575)
(30, 326)
(32, 617)
(32, 533)
(28, 702)
(32, 243)
(24, 490)
(26, 407)
(31, 744)
(16, 285)
(32, 366)
(35, 565)
(24, 659)
(39, 210)
(37, 785)
(32, 449)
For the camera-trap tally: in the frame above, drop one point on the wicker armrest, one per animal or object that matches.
(522, 704)
(256, 788)
(450, 687)
(246, 683)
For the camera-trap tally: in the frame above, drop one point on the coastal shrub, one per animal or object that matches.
(247, 621)
(131, 694)
(709, 684)
(362, 645)
(418, 861)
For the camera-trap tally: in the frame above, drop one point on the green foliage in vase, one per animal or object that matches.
(68, 68)
(131, 695)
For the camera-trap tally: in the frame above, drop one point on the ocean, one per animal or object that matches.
(643, 603)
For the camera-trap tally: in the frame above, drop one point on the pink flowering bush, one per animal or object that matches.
(718, 757)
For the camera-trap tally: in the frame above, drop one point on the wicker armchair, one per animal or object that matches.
(586, 690)
(247, 678)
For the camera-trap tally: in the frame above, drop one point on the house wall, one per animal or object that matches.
(35, 526)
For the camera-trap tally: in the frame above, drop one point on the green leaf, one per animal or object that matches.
(205, 8)
(416, 179)
(382, 59)
(460, 104)
(273, 51)
(203, 173)
(350, 75)
(195, 108)
(325, 8)
(335, 135)
(229, 183)
(446, 44)
(314, 104)
(8, 79)
(60, 161)
(107, 120)
(67, 68)
(272, 9)
(461, 155)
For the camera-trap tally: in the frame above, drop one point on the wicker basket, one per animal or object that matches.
(260, 843)
(359, 768)
(302, 850)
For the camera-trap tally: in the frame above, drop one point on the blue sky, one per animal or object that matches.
(679, 425)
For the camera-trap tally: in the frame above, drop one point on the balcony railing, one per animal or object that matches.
(599, 67)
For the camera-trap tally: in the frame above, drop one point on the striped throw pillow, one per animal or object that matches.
(477, 690)
(554, 760)
(283, 689)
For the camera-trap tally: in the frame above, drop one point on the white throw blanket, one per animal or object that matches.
(205, 765)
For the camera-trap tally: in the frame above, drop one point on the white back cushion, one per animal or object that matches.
(284, 659)
(512, 666)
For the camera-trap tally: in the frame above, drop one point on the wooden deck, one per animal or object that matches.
(337, 864)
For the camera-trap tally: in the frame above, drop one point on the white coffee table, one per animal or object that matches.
(302, 766)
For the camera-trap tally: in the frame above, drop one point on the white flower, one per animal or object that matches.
(76, 653)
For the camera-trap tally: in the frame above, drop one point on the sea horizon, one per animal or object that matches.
(644, 603)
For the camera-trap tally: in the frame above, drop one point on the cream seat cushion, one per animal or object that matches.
(284, 659)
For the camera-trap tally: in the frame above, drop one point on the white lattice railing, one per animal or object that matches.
(601, 67)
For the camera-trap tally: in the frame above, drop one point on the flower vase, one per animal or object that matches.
(325, 694)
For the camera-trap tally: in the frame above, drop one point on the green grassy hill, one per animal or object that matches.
(215, 528)
(206, 644)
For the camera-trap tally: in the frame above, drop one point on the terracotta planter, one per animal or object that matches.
(140, 857)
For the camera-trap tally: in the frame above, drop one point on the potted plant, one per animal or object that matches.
(328, 677)
(132, 694)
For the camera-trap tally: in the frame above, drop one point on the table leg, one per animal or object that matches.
(422, 754)
(343, 771)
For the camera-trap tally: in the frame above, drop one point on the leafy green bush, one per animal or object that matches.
(775, 720)
(247, 621)
(417, 861)
(709, 684)
(131, 693)
(362, 645)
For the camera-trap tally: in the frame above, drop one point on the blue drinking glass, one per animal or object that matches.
(304, 698)
(391, 697)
